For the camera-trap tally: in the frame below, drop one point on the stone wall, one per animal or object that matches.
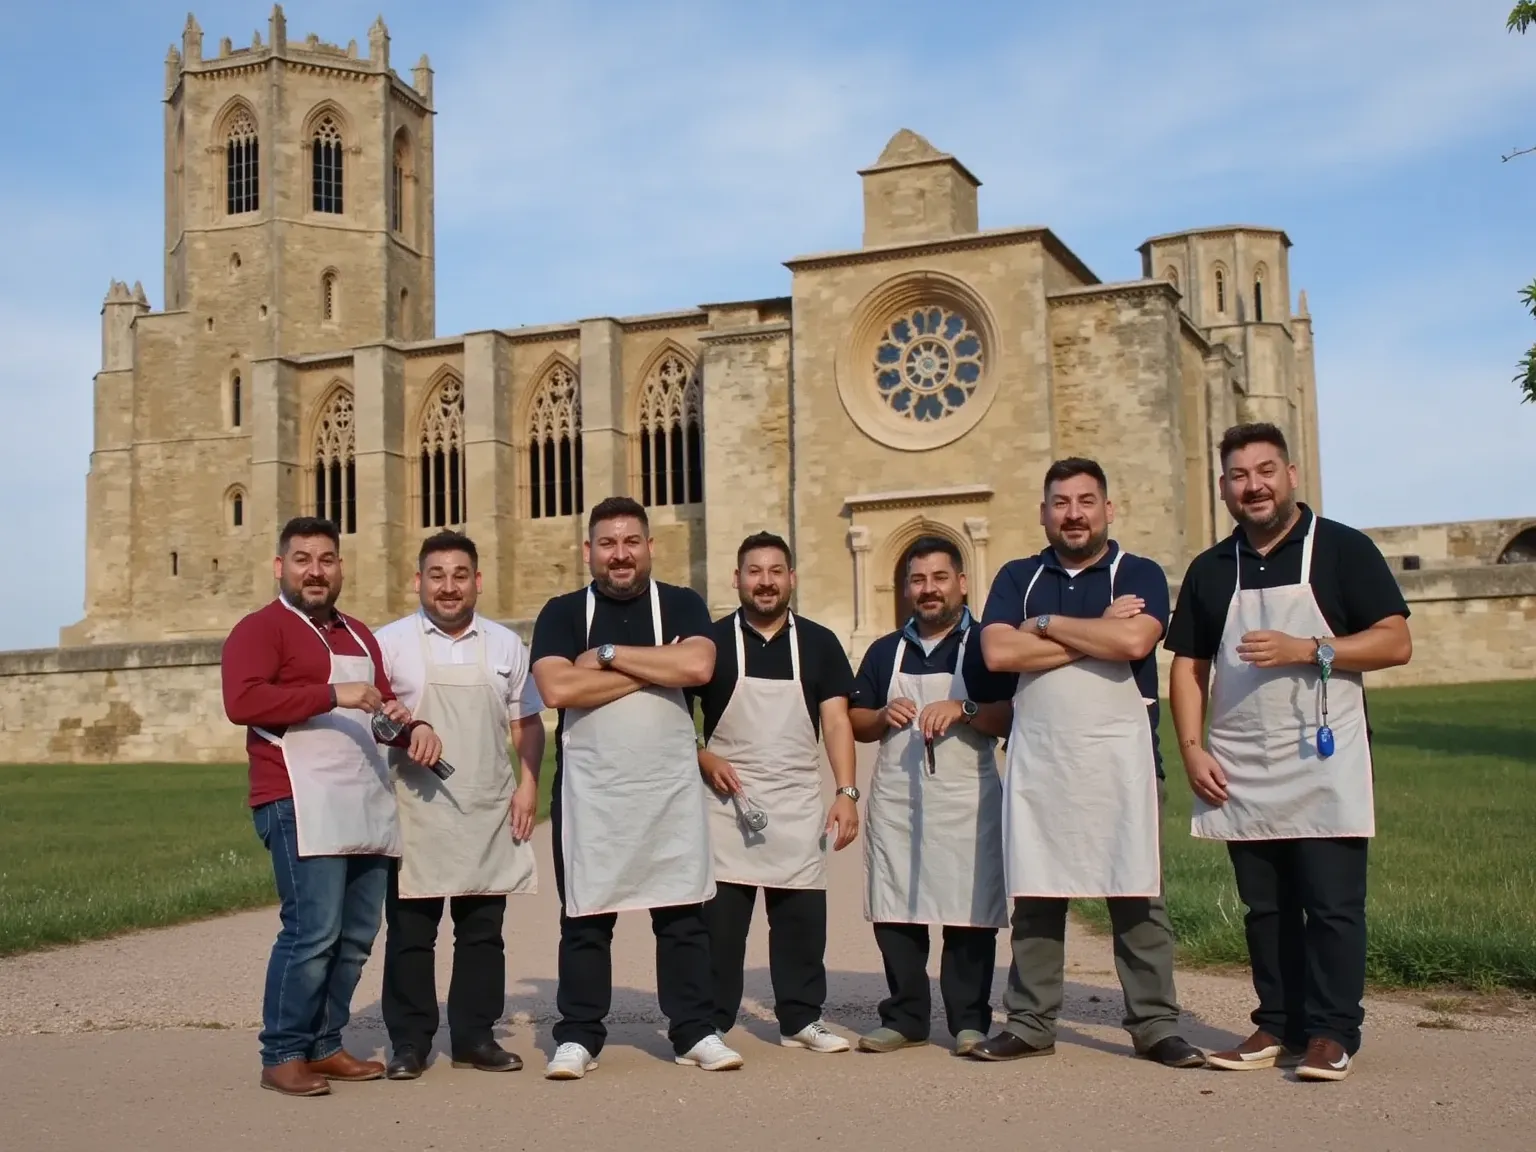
(1451, 545)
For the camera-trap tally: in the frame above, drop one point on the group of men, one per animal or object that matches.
(383, 785)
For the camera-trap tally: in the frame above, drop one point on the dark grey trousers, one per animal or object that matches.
(1143, 940)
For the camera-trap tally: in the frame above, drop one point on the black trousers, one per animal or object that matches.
(1306, 935)
(966, 965)
(797, 948)
(584, 993)
(475, 994)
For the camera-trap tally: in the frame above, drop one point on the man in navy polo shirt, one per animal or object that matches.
(1079, 624)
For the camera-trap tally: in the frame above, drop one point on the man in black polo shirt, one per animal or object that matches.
(933, 822)
(1079, 624)
(630, 824)
(1279, 621)
(779, 680)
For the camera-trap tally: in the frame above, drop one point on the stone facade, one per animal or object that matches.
(919, 383)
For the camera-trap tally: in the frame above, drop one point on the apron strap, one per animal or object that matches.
(901, 651)
(1030, 587)
(741, 646)
(1306, 553)
(426, 647)
(655, 612)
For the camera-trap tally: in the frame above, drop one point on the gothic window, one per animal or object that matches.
(405, 314)
(554, 446)
(328, 297)
(928, 364)
(235, 503)
(671, 434)
(325, 165)
(400, 176)
(335, 468)
(242, 181)
(443, 472)
(1258, 293)
(236, 401)
(1221, 292)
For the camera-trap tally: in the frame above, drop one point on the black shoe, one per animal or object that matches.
(1007, 1046)
(407, 1063)
(1175, 1052)
(488, 1057)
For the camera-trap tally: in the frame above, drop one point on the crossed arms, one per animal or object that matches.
(1124, 632)
(584, 683)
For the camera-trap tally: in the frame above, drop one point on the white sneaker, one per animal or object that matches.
(710, 1054)
(571, 1061)
(817, 1038)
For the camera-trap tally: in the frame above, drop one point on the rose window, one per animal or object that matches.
(928, 364)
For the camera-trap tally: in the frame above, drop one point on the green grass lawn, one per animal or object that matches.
(1452, 897)
(87, 851)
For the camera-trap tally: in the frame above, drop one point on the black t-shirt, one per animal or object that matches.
(873, 683)
(1351, 580)
(561, 627)
(824, 669)
(1085, 596)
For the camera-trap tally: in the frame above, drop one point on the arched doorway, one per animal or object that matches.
(1520, 550)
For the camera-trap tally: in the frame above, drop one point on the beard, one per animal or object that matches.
(1076, 553)
(622, 582)
(937, 613)
(450, 615)
(1281, 510)
(764, 602)
(313, 595)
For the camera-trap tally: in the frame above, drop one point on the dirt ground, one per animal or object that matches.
(149, 1042)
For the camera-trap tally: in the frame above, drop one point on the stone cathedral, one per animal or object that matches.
(918, 381)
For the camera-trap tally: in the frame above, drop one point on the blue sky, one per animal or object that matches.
(611, 158)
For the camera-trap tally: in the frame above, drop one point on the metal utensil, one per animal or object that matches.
(387, 731)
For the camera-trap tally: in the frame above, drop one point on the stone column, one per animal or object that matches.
(490, 464)
(277, 463)
(378, 557)
(604, 445)
(978, 529)
(859, 543)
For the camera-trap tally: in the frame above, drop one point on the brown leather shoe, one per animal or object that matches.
(345, 1066)
(1261, 1050)
(1326, 1060)
(294, 1078)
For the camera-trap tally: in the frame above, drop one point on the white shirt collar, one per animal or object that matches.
(426, 623)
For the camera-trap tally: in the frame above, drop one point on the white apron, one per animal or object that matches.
(933, 840)
(456, 835)
(1264, 724)
(342, 800)
(634, 825)
(1081, 797)
(767, 736)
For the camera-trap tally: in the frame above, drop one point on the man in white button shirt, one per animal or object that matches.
(466, 839)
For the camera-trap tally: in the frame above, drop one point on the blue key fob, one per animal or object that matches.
(1325, 741)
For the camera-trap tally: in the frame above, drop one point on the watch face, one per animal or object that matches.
(1325, 653)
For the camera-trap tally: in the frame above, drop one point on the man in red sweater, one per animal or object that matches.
(305, 679)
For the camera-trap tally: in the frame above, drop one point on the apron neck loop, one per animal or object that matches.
(741, 645)
(1306, 552)
(655, 611)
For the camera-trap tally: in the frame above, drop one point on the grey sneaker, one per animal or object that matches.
(966, 1042)
(886, 1040)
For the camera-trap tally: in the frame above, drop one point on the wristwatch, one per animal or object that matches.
(1323, 657)
(605, 654)
(851, 792)
(968, 709)
(1042, 623)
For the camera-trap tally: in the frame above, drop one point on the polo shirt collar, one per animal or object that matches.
(331, 620)
(746, 627)
(427, 625)
(1049, 559)
(909, 629)
(1297, 532)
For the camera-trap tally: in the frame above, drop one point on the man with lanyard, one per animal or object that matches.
(778, 679)
(467, 839)
(630, 824)
(1278, 623)
(305, 680)
(1079, 624)
(933, 849)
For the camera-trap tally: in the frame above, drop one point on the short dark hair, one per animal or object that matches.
(1076, 466)
(301, 526)
(764, 540)
(614, 507)
(447, 541)
(928, 545)
(1242, 435)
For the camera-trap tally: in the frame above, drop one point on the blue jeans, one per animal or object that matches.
(331, 909)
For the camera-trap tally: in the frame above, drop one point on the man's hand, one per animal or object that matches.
(1124, 607)
(843, 819)
(1273, 649)
(937, 718)
(1205, 775)
(426, 748)
(396, 711)
(719, 774)
(899, 712)
(525, 806)
(358, 694)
